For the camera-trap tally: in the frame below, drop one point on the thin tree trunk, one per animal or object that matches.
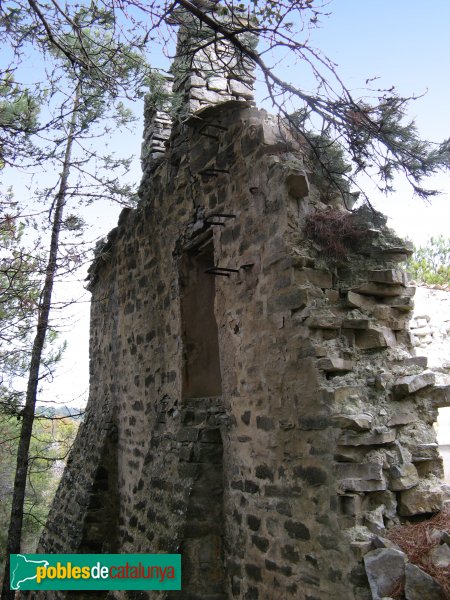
(28, 414)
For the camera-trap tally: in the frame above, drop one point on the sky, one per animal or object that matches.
(405, 43)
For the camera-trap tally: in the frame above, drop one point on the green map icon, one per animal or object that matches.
(23, 569)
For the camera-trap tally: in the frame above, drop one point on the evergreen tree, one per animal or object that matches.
(430, 264)
(373, 129)
(87, 97)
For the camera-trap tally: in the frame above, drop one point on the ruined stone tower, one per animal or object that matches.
(253, 401)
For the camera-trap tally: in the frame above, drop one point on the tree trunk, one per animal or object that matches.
(28, 414)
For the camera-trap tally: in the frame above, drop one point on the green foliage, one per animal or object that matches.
(405, 152)
(52, 439)
(19, 296)
(18, 116)
(431, 263)
(21, 274)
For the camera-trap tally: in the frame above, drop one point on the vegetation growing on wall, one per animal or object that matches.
(335, 231)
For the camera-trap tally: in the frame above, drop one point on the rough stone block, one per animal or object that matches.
(297, 530)
(241, 89)
(324, 321)
(347, 393)
(385, 568)
(360, 301)
(358, 422)
(380, 290)
(412, 383)
(292, 300)
(360, 485)
(334, 364)
(318, 277)
(362, 477)
(440, 396)
(373, 337)
(403, 416)
(426, 497)
(217, 84)
(362, 323)
(364, 471)
(372, 438)
(404, 303)
(403, 477)
(420, 361)
(207, 96)
(425, 452)
(440, 556)
(312, 475)
(419, 585)
(374, 520)
(195, 81)
(388, 276)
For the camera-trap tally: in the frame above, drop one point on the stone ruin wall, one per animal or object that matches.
(253, 404)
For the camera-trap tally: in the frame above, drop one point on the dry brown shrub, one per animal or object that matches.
(334, 231)
(416, 541)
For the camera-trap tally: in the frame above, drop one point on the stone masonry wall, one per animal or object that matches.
(278, 461)
(323, 432)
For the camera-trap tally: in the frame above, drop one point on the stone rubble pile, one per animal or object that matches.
(430, 328)
(388, 571)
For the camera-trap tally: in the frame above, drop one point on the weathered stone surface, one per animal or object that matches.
(389, 276)
(358, 422)
(381, 290)
(403, 416)
(403, 477)
(360, 301)
(412, 383)
(326, 320)
(385, 568)
(422, 331)
(290, 300)
(362, 471)
(382, 542)
(440, 556)
(425, 497)
(335, 365)
(375, 337)
(374, 520)
(363, 477)
(319, 277)
(404, 303)
(298, 184)
(217, 84)
(419, 585)
(425, 452)
(360, 485)
(241, 89)
(440, 396)
(356, 323)
(372, 438)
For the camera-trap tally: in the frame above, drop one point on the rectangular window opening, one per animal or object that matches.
(201, 363)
